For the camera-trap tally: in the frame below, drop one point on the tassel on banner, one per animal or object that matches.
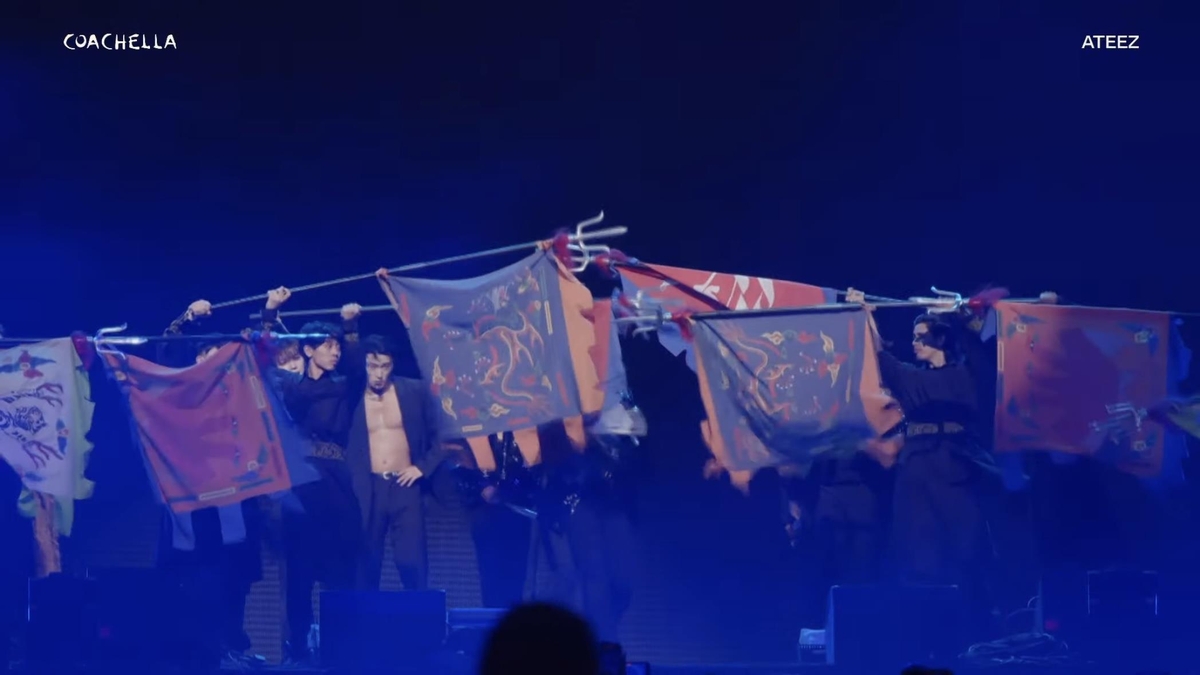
(45, 533)
(984, 300)
(559, 246)
(607, 262)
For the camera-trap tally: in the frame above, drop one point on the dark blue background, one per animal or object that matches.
(882, 144)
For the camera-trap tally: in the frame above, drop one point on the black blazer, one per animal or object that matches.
(420, 425)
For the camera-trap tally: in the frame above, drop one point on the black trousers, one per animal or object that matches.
(399, 511)
(322, 542)
(223, 573)
(232, 617)
(602, 546)
(16, 566)
(939, 531)
(502, 539)
(847, 543)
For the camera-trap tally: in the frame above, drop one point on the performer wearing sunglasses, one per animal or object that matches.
(939, 531)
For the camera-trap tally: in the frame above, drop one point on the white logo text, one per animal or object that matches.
(111, 42)
(1110, 42)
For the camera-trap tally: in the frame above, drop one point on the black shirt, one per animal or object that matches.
(321, 407)
(324, 407)
(950, 394)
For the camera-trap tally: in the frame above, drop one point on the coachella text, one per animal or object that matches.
(111, 42)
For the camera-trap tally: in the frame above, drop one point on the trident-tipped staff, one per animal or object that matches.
(106, 338)
(647, 318)
(583, 255)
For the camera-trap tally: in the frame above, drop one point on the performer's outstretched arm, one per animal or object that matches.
(270, 313)
(183, 353)
(914, 386)
(352, 350)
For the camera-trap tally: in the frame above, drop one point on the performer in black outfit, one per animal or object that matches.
(584, 499)
(495, 502)
(939, 532)
(16, 564)
(322, 526)
(836, 517)
(217, 551)
(393, 449)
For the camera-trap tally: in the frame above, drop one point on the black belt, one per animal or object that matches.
(933, 428)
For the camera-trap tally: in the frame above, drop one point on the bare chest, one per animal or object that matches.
(384, 414)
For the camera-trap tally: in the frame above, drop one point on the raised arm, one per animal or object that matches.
(902, 379)
(181, 353)
(284, 382)
(913, 386)
(352, 350)
(270, 313)
(352, 341)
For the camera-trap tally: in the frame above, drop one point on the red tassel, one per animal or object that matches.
(83, 347)
(682, 320)
(607, 261)
(984, 300)
(625, 306)
(559, 246)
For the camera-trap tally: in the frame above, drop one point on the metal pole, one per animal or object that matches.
(583, 236)
(321, 312)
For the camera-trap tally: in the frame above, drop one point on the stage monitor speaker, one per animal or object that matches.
(1122, 600)
(469, 628)
(381, 630)
(885, 627)
(1104, 613)
(63, 627)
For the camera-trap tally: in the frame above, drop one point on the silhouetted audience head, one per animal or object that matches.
(540, 639)
(922, 670)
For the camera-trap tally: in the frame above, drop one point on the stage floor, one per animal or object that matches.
(464, 666)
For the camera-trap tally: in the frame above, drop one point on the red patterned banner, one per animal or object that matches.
(1080, 380)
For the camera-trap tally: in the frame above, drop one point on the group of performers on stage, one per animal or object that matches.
(377, 449)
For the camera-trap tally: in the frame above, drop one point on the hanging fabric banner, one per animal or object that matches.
(45, 415)
(214, 433)
(1081, 380)
(682, 291)
(785, 387)
(507, 351)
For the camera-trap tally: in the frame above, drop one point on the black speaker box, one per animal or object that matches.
(469, 628)
(1106, 614)
(885, 627)
(381, 630)
(63, 627)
